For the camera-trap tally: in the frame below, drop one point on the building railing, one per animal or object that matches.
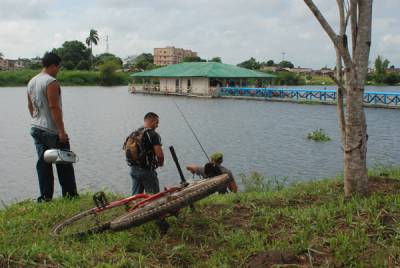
(375, 98)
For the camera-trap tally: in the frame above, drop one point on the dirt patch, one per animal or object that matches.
(275, 258)
(383, 185)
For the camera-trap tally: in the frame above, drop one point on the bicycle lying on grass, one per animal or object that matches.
(138, 209)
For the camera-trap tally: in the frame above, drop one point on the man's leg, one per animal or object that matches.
(66, 176)
(44, 170)
(136, 175)
(152, 186)
(150, 182)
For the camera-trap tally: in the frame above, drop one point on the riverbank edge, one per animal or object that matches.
(306, 224)
(252, 98)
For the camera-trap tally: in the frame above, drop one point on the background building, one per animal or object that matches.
(197, 78)
(7, 64)
(171, 55)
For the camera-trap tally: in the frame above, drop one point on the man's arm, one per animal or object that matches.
(30, 105)
(159, 154)
(53, 97)
(196, 170)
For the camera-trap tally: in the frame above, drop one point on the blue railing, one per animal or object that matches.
(378, 98)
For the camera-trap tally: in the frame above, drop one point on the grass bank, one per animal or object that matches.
(66, 78)
(307, 224)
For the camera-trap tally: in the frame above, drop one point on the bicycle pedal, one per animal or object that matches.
(100, 200)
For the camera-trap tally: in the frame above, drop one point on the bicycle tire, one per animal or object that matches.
(96, 222)
(170, 203)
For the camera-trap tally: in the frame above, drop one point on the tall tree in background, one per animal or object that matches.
(1, 55)
(351, 85)
(74, 55)
(93, 38)
(380, 69)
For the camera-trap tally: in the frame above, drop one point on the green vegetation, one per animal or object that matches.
(66, 78)
(287, 78)
(75, 55)
(318, 80)
(306, 224)
(318, 135)
(109, 76)
(381, 76)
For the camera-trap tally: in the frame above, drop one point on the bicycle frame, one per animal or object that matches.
(147, 198)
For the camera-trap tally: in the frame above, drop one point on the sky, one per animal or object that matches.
(234, 30)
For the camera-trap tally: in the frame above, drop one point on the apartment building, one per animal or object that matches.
(6, 64)
(171, 55)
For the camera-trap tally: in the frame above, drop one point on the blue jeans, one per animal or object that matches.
(44, 140)
(144, 180)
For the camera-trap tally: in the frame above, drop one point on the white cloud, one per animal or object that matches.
(233, 30)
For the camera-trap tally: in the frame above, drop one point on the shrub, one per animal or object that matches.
(318, 135)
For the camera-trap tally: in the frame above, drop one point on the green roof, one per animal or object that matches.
(203, 69)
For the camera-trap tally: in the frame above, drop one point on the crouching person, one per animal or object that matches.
(215, 168)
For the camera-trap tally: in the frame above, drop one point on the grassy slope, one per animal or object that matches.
(308, 223)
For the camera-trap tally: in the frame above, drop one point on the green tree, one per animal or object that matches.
(270, 63)
(102, 58)
(216, 59)
(144, 61)
(391, 79)
(1, 55)
(72, 53)
(93, 38)
(250, 64)
(83, 65)
(108, 76)
(193, 59)
(380, 69)
(286, 64)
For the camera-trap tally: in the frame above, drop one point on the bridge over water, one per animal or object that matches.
(382, 99)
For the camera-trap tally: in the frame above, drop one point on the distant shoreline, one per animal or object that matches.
(21, 78)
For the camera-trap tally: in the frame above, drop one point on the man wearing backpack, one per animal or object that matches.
(144, 155)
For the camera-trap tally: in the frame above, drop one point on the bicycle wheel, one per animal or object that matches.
(88, 222)
(170, 202)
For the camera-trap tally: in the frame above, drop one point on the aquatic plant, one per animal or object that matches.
(318, 135)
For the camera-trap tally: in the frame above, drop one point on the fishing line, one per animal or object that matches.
(191, 129)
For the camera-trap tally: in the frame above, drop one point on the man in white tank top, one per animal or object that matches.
(45, 108)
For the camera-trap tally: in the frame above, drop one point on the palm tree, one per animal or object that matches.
(93, 38)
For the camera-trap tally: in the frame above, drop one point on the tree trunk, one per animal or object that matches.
(355, 164)
(355, 147)
(353, 126)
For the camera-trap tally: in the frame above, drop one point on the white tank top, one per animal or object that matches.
(37, 91)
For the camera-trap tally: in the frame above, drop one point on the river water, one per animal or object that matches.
(268, 137)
